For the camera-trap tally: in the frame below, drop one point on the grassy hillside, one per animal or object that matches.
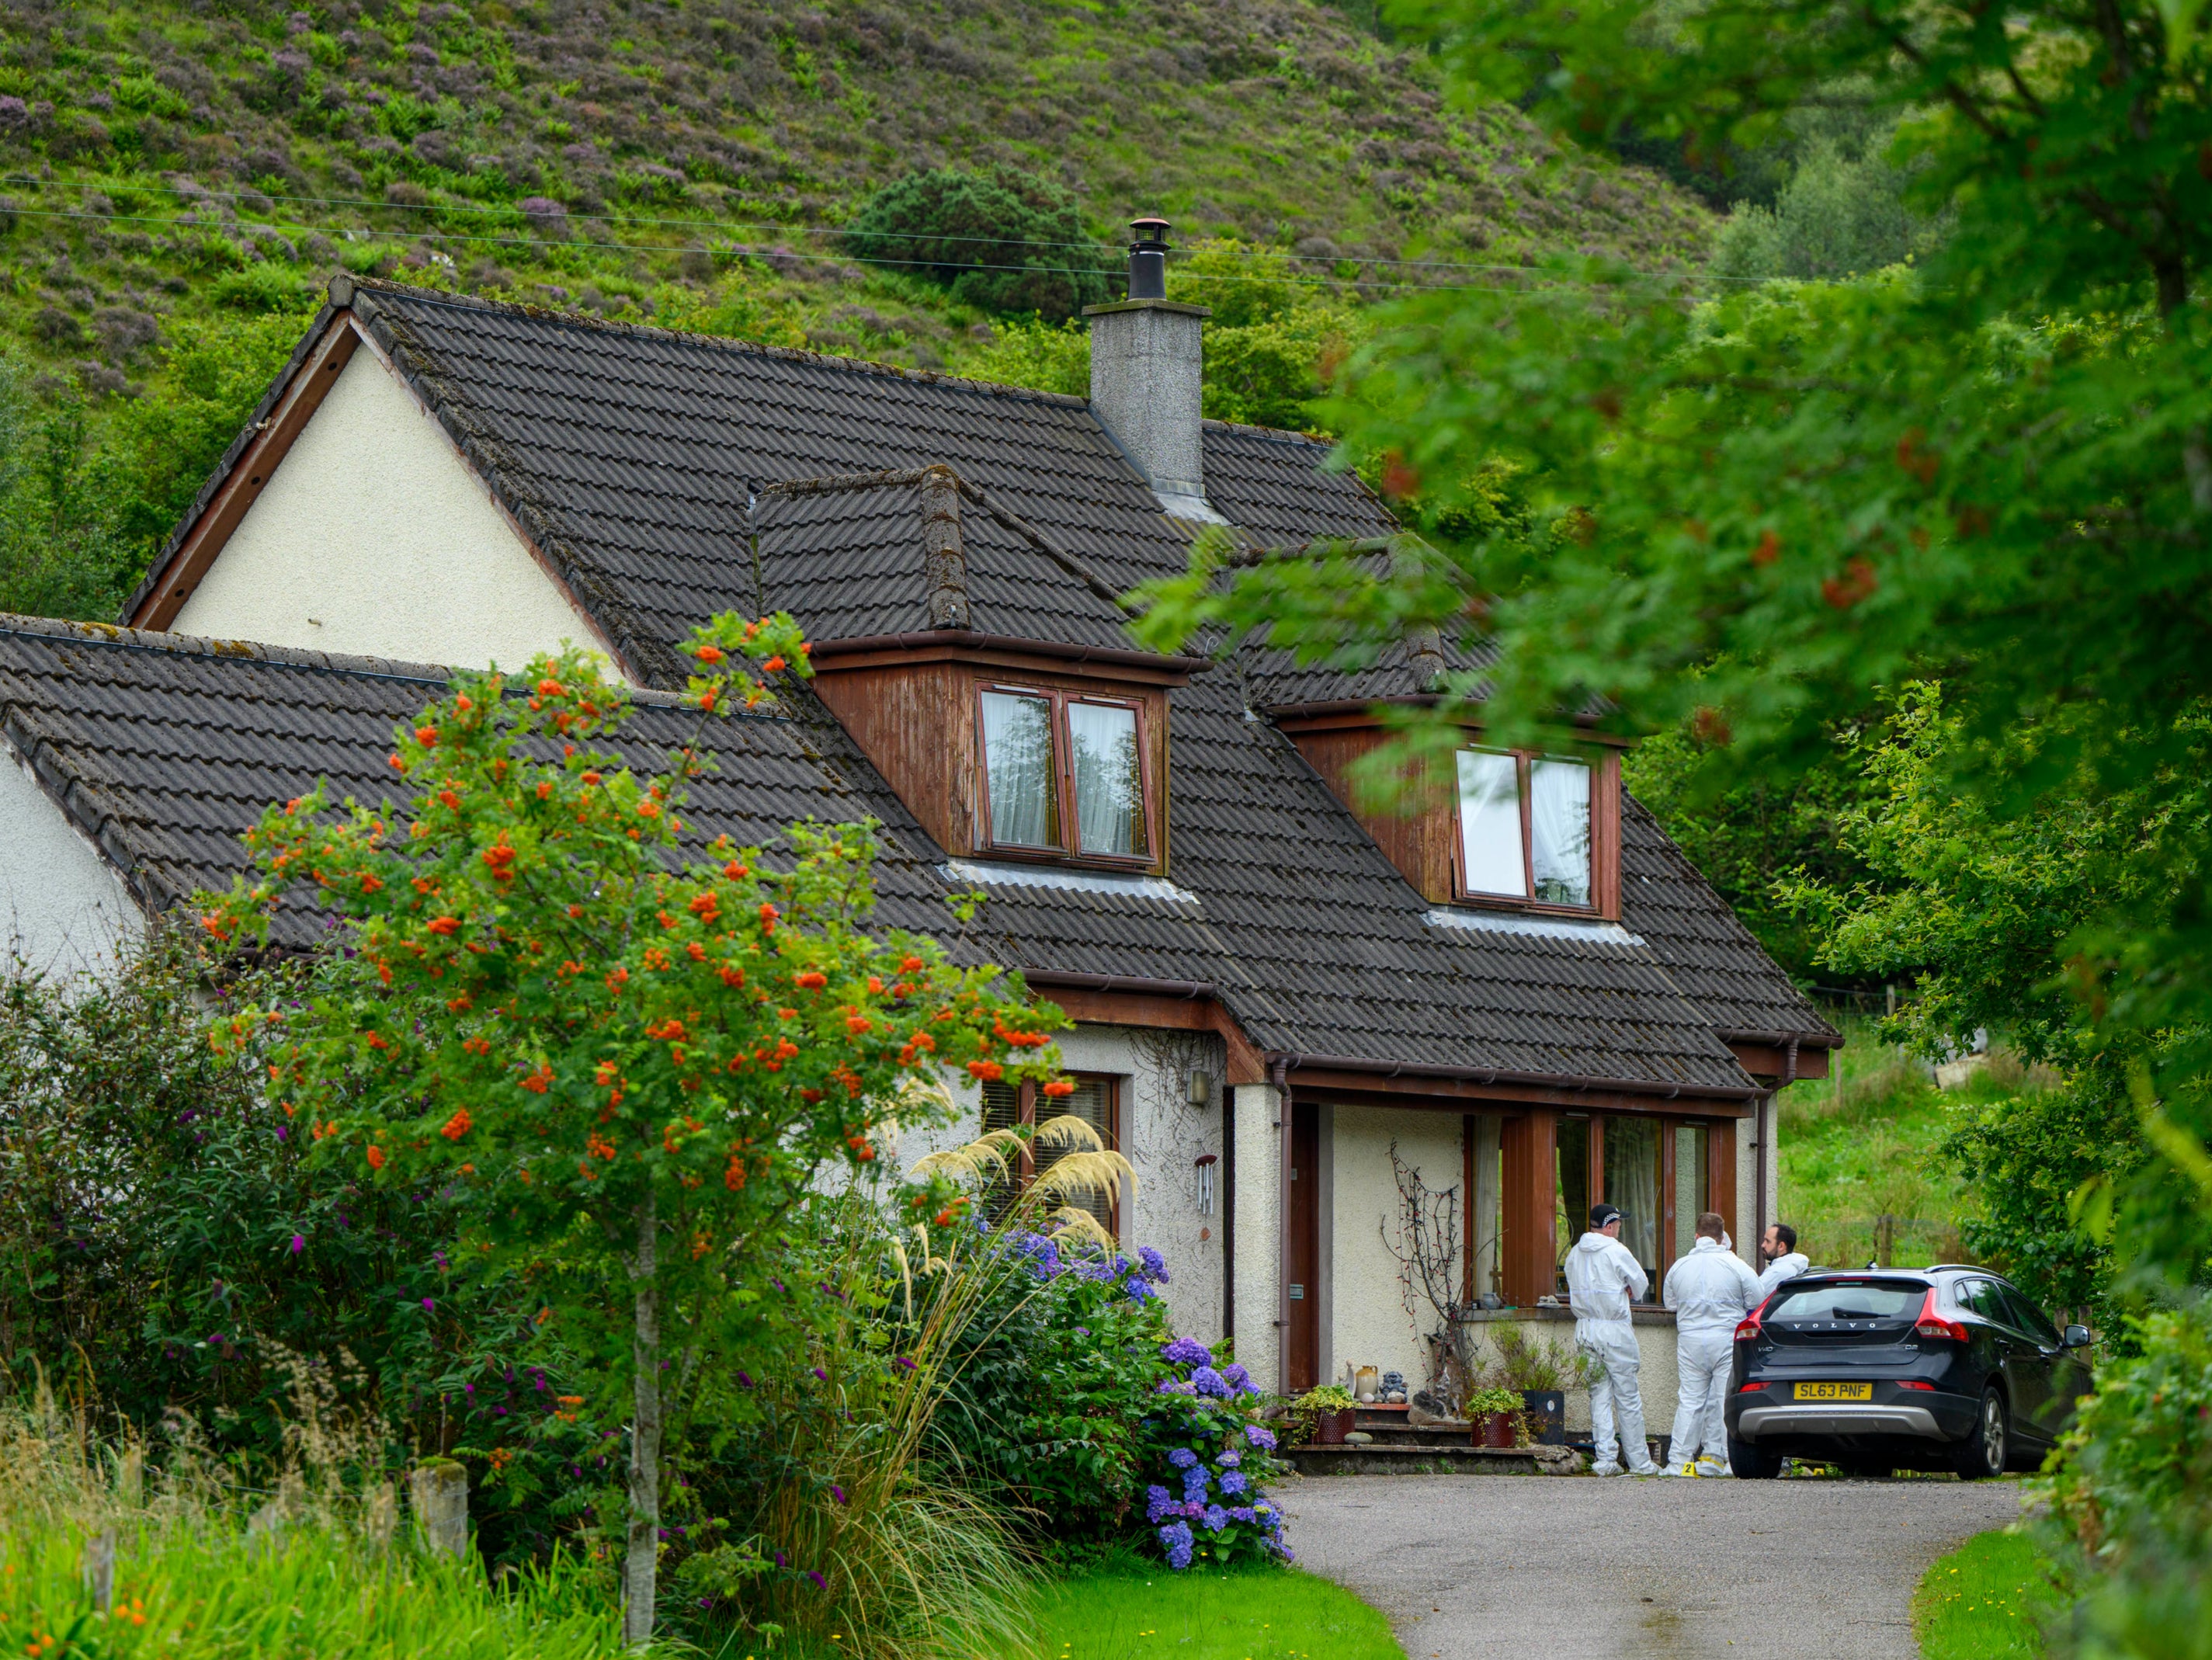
(625, 157)
(1871, 1147)
(178, 181)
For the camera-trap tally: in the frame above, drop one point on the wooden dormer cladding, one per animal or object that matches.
(1422, 836)
(987, 673)
(912, 704)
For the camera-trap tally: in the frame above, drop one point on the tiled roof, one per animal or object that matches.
(846, 556)
(650, 467)
(162, 749)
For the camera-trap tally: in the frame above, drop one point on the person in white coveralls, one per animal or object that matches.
(1603, 1278)
(1710, 1290)
(1778, 1250)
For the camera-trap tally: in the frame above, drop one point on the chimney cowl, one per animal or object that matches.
(1148, 260)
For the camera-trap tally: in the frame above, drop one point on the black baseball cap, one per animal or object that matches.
(1602, 1214)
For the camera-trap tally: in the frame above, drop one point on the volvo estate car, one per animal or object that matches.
(1943, 1368)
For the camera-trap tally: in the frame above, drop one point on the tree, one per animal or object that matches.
(635, 1060)
(1749, 515)
(1002, 240)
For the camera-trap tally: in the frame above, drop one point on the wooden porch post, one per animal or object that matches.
(1529, 1147)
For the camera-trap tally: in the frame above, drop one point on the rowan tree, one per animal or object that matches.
(544, 986)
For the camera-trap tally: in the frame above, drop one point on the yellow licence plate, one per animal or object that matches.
(1835, 1392)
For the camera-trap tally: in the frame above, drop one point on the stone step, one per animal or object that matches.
(1406, 1458)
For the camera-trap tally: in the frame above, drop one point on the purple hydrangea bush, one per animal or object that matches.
(1212, 1456)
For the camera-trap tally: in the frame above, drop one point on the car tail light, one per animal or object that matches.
(1932, 1324)
(1748, 1388)
(1913, 1383)
(1748, 1329)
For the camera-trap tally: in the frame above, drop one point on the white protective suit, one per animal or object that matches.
(1603, 1277)
(1781, 1268)
(1709, 1290)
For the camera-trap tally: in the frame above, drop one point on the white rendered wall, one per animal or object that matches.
(63, 910)
(1161, 1136)
(375, 537)
(1369, 1326)
(1657, 1375)
(1260, 1133)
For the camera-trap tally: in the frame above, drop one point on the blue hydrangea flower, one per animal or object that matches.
(1182, 1458)
(1240, 1512)
(1234, 1482)
(1262, 1438)
(1235, 1375)
(1137, 1290)
(1216, 1518)
(1186, 1352)
(1229, 1459)
(1096, 1272)
(1207, 1380)
(1156, 1267)
(1174, 1386)
(1175, 1538)
(1158, 1502)
(1194, 1484)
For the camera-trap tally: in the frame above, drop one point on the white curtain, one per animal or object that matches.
(1631, 1182)
(1560, 831)
(1490, 824)
(1110, 780)
(1018, 760)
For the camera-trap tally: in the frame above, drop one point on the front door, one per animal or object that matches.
(1304, 1265)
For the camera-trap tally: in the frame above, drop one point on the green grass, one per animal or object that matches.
(1987, 1600)
(185, 1594)
(1863, 1144)
(1127, 1610)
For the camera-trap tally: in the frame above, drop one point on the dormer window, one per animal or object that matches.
(1524, 828)
(1056, 762)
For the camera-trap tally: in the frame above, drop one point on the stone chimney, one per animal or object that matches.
(1147, 353)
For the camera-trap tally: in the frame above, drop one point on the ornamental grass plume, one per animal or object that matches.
(874, 1540)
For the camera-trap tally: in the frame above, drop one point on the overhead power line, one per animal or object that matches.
(235, 197)
(772, 255)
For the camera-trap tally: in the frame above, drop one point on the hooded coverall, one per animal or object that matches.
(1709, 1290)
(1602, 1277)
(1781, 1268)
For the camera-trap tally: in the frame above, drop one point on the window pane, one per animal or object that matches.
(1110, 780)
(1002, 1109)
(1692, 1194)
(1018, 760)
(1571, 1195)
(1490, 824)
(1560, 831)
(1093, 1103)
(1631, 1182)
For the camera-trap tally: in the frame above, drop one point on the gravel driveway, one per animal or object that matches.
(1469, 1567)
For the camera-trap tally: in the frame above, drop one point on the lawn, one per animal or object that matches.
(1986, 1601)
(1129, 1608)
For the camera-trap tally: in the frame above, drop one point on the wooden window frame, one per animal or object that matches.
(1063, 774)
(1604, 836)
(1025, 1112)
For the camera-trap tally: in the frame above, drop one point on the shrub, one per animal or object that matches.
(1209, 1454)
(2132, 1492)
(1001, 241)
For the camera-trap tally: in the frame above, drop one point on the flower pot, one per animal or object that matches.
(1547, 1416)
(1331, 1427)
(1492, 1429)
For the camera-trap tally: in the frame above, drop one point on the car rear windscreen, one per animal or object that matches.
(1849, 1300)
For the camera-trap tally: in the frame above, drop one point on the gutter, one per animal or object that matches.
(1779, 1039)
(1278, 1073)
(828, 650)
(1537, 1079)
(1188, 990)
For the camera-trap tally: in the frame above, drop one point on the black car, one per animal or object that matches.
(1943, 1368)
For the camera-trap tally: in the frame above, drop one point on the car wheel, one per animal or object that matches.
(1745, 1460)
(1984, 1452)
